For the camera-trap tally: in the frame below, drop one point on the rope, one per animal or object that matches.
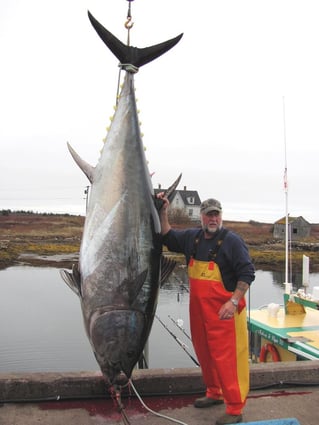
(118, 88)
(129, 67)
(152, 411)
(116, 396)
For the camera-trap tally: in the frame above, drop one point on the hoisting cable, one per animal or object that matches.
(152, 411)
(128, 67)
(179, 342)
(129, 23)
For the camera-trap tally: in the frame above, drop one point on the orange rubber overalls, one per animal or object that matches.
(221, 346)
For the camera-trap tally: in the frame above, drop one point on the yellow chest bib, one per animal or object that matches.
(204, 270)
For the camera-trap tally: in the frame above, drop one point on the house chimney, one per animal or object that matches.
(184, 187)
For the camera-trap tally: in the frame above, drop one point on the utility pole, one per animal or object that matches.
(86, 193)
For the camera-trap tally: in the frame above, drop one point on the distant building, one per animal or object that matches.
(186, 200)
(299, 228)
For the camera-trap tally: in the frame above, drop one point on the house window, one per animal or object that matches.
(191, 200)
(190, 213)
(294, 231)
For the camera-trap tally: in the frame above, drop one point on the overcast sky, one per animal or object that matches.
(211, 108)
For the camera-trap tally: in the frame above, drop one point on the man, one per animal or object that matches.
(220, 271)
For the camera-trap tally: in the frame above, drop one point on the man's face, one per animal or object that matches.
(211, 222)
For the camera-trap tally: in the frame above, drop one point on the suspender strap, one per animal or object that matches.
(214, 251)
(196, 241)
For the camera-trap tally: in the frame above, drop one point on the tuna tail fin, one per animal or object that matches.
(85, 167)
(128, 54)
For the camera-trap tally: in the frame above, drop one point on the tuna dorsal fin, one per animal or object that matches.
(72, 279)
(167, 266)
(128, 54)
(85, 166)
(129, 289)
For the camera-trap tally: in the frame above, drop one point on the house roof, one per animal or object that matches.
(290, 220)
(185, 194)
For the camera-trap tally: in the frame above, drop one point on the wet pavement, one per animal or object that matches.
(301, 404)
(272, 398)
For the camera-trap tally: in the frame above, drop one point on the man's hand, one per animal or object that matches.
(163, 198)
(227, 311)
(163, 213)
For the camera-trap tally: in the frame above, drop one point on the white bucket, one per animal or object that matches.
(273, 309)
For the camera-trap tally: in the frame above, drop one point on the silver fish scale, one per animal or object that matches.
(121, 248)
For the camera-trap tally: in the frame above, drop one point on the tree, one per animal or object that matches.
(178, 216)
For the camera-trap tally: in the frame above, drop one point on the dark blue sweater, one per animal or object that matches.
(232, 256)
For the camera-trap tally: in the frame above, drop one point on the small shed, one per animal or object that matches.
(298, 228)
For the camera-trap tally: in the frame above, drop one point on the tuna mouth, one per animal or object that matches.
(118, 338)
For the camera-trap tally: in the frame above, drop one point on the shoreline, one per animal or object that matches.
(65, 261)
(51, 240)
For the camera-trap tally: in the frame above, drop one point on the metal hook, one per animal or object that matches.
(129, 23)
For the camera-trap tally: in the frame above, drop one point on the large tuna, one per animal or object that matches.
(121, 265)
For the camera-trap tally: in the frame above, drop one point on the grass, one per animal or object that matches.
(38, 234)
(46, 235)
(277, 258)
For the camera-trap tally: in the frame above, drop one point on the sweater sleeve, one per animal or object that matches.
(235, 262)
(180, 241)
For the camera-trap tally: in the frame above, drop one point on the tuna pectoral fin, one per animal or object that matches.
(168, 193)
(167, 266)
(129, 289)
(85, 167)
(72, 279)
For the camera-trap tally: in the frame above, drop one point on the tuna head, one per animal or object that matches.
(116, 338)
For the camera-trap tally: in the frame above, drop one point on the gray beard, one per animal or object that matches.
(209, 231)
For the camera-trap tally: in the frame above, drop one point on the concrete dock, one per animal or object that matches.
(278, 391)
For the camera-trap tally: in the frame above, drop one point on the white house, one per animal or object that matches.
(187, 200)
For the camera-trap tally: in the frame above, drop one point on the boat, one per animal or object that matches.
(286, 333)
(289, 332)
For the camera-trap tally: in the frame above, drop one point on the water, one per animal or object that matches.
(41, 327)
